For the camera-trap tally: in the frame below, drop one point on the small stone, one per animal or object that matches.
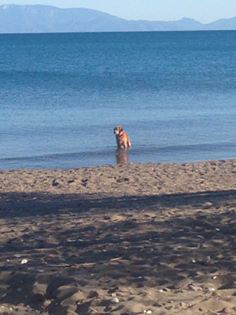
(194, 287)
(92, 294)
(77, 297)
(47, 303)
(166, 290)
(5, 276)
(207, 205)
(132, 307)
(40, 288)
(182, 304)
(115, 299)
(65, 291)
(55, 182)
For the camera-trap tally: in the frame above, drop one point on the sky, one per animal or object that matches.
(202, 10)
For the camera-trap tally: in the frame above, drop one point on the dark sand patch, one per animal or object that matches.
(124, 251)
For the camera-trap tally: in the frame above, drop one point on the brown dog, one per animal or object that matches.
(122, 138)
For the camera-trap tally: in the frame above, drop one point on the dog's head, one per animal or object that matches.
(118, 130)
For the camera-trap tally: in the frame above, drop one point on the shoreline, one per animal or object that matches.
(127, 179)
(135, 239)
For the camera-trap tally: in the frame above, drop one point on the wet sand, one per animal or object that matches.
(133, 239)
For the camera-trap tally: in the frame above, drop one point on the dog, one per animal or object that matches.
(122, 138)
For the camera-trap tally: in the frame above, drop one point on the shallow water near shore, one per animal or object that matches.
(62, 94)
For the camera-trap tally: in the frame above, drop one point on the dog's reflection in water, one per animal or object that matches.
(122, 156)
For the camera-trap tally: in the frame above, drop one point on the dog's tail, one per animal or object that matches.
(129, 143)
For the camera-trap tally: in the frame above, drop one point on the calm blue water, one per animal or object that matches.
(62, 94)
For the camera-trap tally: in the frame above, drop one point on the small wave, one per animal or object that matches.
(59, 156)
(139, 154)
(210, 147)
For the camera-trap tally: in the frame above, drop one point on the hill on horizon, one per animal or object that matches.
(50, 19)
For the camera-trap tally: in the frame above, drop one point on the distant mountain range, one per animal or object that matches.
(49, 19)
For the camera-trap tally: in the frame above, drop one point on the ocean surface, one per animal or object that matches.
(61, 95)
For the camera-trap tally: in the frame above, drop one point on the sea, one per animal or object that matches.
(61, 95)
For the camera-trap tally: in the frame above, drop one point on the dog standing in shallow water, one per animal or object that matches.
(122, 138)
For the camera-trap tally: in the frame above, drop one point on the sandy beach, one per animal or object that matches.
(134, 239)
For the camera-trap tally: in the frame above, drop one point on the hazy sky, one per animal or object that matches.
(202, 10)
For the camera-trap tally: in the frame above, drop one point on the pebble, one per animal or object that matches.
(115, 299)
(182, 304)
(65, 291)
(47, 303)
(55, 182)
(134, 307)
(40, 288)
(207, 205)
(74, 298)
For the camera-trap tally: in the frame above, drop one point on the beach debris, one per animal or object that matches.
(148, 311)
(24, 261)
